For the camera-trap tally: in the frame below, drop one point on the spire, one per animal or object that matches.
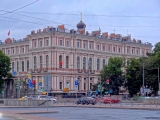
(81, 16)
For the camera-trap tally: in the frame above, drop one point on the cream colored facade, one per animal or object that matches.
(42, 52)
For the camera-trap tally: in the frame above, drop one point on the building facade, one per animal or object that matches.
(65, 55)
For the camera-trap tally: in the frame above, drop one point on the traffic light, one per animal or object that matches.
(33, 83)
(17, 85)
(60, 64)
(99, 90)
(106, 92)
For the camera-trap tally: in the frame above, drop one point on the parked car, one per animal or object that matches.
(86, 100)
(45, 97)
(108, 100)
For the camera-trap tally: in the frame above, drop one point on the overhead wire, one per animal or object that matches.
(18, 8)
(140, 16)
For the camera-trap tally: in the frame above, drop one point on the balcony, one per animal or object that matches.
(39, 70)
(45, 69)
(79, 70)
(92, 71)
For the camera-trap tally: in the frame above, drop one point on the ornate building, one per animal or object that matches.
(64, 54)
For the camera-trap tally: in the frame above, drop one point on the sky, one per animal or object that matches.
(140, 18)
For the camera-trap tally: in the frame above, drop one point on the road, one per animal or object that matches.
(77, 113)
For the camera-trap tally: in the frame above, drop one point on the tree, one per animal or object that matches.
(4, 68)
(113, 72)
(156, 48)
(133, 76)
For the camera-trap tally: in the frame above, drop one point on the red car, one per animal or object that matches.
(107, 100)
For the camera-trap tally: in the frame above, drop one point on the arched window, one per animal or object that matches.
(103, 62)
(35, 62)
(60, 60)
(41, 61)
(47, 61)
(78, 62)
(67, 62)
(84, 63)
(90, 60)
(98, 64)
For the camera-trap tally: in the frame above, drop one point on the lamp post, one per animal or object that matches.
(143, 77)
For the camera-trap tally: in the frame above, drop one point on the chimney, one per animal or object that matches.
(44, 30)
(87, 33)
(32, 32)
(105, 34)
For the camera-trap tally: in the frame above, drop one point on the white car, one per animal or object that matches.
(45, 97)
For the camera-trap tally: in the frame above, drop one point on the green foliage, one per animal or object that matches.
(156, 48)
(133, 76)
(4, 68)
(113, 72)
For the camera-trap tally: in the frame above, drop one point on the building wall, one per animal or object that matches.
(38, 46)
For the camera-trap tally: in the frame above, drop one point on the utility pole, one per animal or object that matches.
(88, 77)
(19, 92)
(143, 75)
(158, 83)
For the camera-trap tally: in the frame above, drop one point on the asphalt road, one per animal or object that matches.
(77, 113)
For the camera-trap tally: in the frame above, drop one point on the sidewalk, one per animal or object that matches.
(112, 106)
(27, 114)
(98, 105)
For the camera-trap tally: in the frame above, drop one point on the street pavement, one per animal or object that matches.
(81, 113)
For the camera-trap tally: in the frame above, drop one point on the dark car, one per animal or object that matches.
(86, 100)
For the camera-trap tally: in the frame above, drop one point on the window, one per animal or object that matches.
(67, 62)
(142, 52)
(109, 48)
(84, 86)
(97, 47)
(84, 45)
(35, 44)
(41, 62)
(60, 85)
(67, 43)
(78, 46)
(119, 50)
(103, 62)
(132, 51)
(114, 49)
(98, 64)
(60, 60)
(84, 63)
(60, 42)
(22, 66)
(47, 61)
(4, 51)
(17, 66)
(90, 45)
(27, 65)
(103, 48)
(47, 42)
(90, 86)
(22, 50)
(8, 52)
(12, 67)
(13, 51)
(78, 62)
(41, 44)
(90, 65)
(35, 62)
(137, 52)
(127, 50)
